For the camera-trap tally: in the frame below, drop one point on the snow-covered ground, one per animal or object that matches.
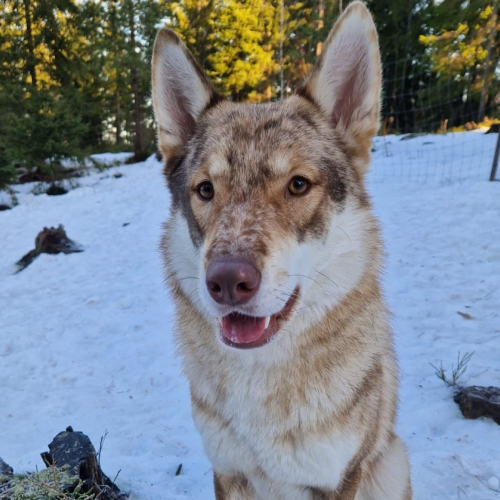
(85, 339)
(456, 156)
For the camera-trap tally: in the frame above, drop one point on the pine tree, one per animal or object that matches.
(464, 48)
(405, 67)
(307, 24)
(193, 21)
(42, 112)
(244, 38)
(127, 33)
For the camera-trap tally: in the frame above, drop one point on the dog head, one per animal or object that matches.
(270, 224)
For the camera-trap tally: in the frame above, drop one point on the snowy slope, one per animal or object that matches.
(85, 339)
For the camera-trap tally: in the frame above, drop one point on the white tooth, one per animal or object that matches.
(268, 320)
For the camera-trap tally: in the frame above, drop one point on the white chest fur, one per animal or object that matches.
(279, 456)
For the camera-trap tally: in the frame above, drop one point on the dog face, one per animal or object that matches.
(270, 222)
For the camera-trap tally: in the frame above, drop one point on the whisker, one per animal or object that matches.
(345, 234)
(328, 278)
(305, 276)
(300, 299)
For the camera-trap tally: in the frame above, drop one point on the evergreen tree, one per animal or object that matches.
(42, 128)
(307, 24)
(75, 74)
(405, 67)
(244, 38)
(193, 21)
(464, 50)
(41, 112)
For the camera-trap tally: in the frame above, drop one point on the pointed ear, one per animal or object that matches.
(345, 83)
(181, 92)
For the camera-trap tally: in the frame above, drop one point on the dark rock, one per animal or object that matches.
(56, 190)
(4, 207)
(493, 129)
(475, 402)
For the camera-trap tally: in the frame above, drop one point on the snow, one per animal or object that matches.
(112, 158)
(105, 159)
(86, 338)
(452, 157)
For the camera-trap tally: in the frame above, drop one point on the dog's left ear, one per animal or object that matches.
(345, 83)
(181, 92)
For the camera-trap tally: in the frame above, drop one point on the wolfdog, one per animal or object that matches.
(273, 258)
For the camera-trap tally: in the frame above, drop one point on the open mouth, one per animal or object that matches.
(246, 332)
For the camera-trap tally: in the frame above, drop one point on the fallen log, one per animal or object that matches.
(476, 401)
(51, 240)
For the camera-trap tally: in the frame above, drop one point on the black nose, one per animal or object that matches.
(232, 280)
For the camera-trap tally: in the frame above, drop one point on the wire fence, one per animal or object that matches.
(430, 128)
(454, 156)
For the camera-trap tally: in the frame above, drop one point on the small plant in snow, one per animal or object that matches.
(49, 484)
(456, 372)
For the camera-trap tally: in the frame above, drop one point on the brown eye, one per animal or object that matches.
(299, 186)
(206, 191)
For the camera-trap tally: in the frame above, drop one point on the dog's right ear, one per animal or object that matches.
(181, 92)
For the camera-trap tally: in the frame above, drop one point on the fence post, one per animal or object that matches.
(495, 159)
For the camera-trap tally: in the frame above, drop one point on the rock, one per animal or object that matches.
(493, 129)
(56, 190)
(475, 402)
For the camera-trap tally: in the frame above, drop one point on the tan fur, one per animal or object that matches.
(310, 415)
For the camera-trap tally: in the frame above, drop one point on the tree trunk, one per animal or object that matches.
(118, 120)
(321, 24)
(282, 34)
(135, 88)
(29, 38)
(487, 64)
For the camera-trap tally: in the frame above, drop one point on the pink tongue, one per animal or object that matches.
(242, 329)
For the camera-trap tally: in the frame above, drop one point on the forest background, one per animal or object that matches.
(75, 74)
